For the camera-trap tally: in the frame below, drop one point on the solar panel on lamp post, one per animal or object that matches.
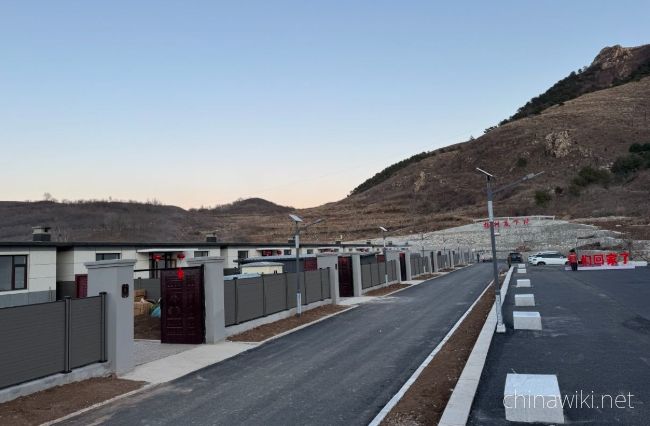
(297, 221)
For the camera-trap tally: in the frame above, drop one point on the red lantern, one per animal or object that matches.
(181, 256)
(157, 257)
(180, 273)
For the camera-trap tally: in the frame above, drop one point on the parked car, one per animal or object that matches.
(486, 257)
(548, 258)
(515, 257)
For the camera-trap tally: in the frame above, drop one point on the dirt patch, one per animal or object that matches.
(146, 327)
(387, 290)
(60, 401)
(447, 270)
(265, 331)
(426, 399)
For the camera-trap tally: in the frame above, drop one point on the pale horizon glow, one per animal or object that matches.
(205, 102)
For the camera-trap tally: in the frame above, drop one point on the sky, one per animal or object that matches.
(198, 103)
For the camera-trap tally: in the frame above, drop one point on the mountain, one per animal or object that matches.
(589, 133)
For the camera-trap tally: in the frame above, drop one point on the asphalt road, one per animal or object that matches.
(339, 371)
(595, 338)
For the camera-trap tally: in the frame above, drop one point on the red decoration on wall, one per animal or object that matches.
(181, 256)
(180, 273)
(157, 257)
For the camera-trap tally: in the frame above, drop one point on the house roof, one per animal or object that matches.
(69, 244)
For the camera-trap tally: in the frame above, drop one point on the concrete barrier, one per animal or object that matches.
(521, 266)
(526, 320)
(533, 398)
(524, 300)
(521, 270)
(523, 283)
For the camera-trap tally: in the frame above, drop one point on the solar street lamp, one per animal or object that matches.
(296, 238)
(501, 328)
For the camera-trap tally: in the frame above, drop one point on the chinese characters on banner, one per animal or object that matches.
(611, 259)
(507, 223)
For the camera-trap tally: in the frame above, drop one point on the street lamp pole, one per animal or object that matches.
(296, 238)
(501, 328)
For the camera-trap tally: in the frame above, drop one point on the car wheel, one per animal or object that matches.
(541, 263)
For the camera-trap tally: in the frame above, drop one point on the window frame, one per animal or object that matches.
(204, 253)
(13, 271)
(100, 256)
(239, 254)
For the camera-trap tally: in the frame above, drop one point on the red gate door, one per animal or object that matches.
(345, 277)
(81, 284)
(311, 264)
(182, 317)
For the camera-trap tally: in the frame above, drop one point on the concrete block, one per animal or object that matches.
(523, 283)
(527, 320)
(533, 398)
(521, 266)
(521, 270)
(524, 300)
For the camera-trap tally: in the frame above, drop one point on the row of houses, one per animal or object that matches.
(31, 271)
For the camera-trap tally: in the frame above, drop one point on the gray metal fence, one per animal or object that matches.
(374, 274)
(246, 299)
(48, 338)
(151, 285)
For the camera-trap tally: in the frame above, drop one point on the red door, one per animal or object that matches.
(182, 318)
(345, 277)
(81, 284)
(311, 264)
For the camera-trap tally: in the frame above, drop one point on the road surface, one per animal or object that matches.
(339, 371)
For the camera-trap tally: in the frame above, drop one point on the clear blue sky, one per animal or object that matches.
(201, 102)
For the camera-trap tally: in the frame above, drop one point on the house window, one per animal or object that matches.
(13, 273)
(107, 256)
(310, 251)
(201, 253)
(242, 254)
(287, 252)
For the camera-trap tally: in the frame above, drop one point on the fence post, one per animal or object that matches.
(236, 302)
(66, 351)
(103, 327)
(115, 277)
(213, 291)
(304, 285)
(263, 297)
(330, 261)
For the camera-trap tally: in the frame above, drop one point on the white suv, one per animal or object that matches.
(548, 258)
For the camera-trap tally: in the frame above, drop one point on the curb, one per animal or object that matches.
(300, 327)
(459, 405)
(99, 404)
(398, 396)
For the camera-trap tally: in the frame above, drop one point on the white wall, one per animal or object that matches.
(41, 267)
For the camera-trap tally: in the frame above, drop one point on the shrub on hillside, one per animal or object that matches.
(590, 175)
(522, 162)
(542, 198)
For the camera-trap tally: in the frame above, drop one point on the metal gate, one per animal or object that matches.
(345, 277)
(182, 306)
